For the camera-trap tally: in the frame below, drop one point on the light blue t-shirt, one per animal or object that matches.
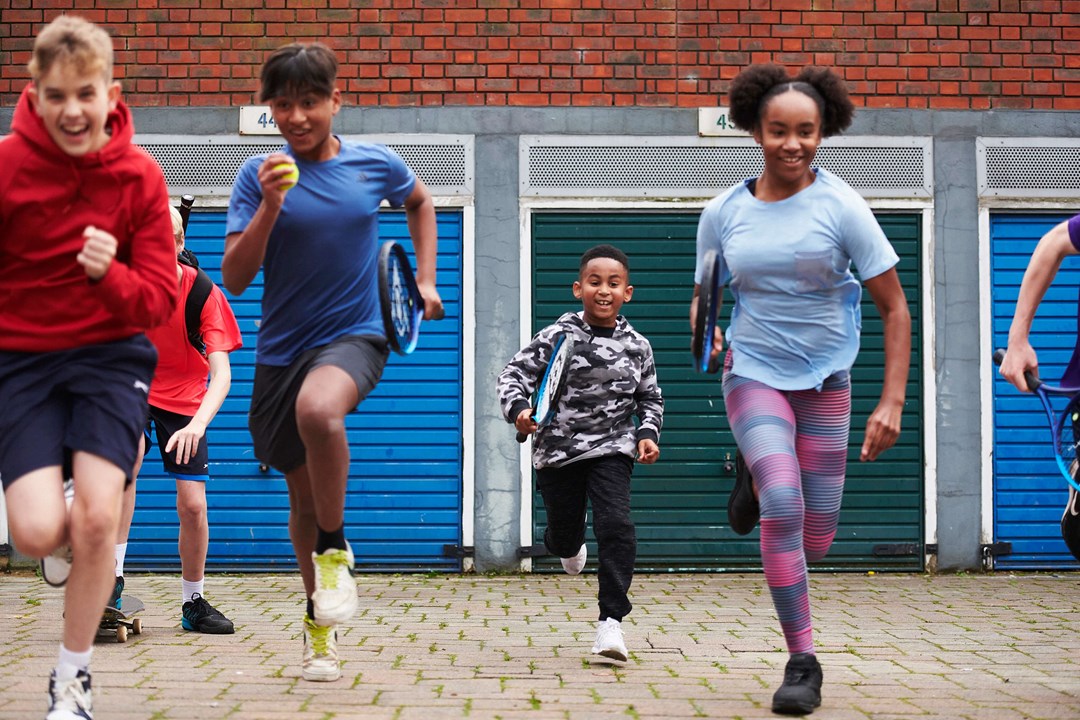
(322, 255)
(796, 319)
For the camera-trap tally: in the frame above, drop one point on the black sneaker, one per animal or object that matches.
(201, 616)
(743, 511)
(70, 699)
(116, 601)
(801, 691)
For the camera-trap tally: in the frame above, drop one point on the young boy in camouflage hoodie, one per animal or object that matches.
(587, 452)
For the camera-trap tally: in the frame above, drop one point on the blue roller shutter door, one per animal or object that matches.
(1029, 492)
(404, 493)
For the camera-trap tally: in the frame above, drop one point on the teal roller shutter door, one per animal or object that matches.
(1029, 492)
(680, 503)
(404, 493)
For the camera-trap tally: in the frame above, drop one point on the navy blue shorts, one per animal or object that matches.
(272, 418)
(88, 399)
(164, 424)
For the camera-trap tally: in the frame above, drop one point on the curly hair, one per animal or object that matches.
(754, 87)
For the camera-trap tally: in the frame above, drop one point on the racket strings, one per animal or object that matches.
(400, 301)
(1069, 436)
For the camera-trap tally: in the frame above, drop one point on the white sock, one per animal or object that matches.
(191, 588)
(69, 663)
(121, 554)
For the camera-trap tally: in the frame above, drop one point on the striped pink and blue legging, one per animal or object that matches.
(795, 443)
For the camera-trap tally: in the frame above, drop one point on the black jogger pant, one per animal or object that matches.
(605, 483)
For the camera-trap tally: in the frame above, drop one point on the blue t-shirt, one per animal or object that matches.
(796, 319)
(321, 258)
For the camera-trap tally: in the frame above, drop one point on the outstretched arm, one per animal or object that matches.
(883, 426)
(1043, 267)
(186, 441)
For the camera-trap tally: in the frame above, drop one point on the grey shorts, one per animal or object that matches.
(272, 418)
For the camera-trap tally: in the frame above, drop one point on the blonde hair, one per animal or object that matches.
(73, 40)
(177, 226)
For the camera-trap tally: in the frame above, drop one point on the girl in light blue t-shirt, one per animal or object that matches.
(787, 242)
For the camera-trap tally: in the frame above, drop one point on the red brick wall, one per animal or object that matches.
(955, 54)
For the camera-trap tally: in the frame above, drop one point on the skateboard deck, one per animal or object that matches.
(117, 622)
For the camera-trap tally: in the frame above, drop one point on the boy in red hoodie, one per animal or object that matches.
(86, 266)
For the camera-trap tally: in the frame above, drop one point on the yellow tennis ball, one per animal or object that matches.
(290, 178)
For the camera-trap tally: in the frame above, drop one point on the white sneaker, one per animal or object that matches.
(574, 565)
(335, 597)
(609, 640)
(70, 699)
(320, 653)
(56, 567)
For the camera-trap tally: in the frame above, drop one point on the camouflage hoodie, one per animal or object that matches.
(611, 379)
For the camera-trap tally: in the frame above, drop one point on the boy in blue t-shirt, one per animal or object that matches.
(321, 346)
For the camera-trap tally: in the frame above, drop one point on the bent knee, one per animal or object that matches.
(817, 548)
(318, 418)
(37, 537)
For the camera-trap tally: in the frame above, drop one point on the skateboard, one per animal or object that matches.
(118, 622)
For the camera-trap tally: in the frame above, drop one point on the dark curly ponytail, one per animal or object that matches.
(754, 87)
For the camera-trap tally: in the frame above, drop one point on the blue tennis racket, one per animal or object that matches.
(1064, 426)
(552, 385)
(400, 299)
(708, 309)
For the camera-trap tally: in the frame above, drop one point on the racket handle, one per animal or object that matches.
(186, 201)
(714, 365)
(1033, 381)
(522, 437)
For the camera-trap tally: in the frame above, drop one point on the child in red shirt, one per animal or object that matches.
(182, 405)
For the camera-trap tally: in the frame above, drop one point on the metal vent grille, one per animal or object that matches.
(680, 167)
(1029, 167)
(208, 165)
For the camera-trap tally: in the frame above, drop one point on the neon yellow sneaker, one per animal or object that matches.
(334, 598)
(320, 653)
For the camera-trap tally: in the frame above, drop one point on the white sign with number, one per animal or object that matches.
(257, 120)
(716, 121)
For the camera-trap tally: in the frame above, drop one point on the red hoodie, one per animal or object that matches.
(47, 198)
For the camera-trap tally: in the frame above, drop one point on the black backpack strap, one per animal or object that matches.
(196, 299)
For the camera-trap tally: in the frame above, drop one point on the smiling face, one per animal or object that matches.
(305, 121)
(603, 287)
(789, 132)
(74, 104)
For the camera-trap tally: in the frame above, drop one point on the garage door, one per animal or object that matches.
(404, 492)
(680, 503)
(1029, 492)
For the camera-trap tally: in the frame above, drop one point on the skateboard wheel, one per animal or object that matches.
(121, 634)
(136, 626)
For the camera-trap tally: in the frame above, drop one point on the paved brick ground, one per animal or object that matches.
(426, 647)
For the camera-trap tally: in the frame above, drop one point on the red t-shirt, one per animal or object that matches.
(180, 379)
